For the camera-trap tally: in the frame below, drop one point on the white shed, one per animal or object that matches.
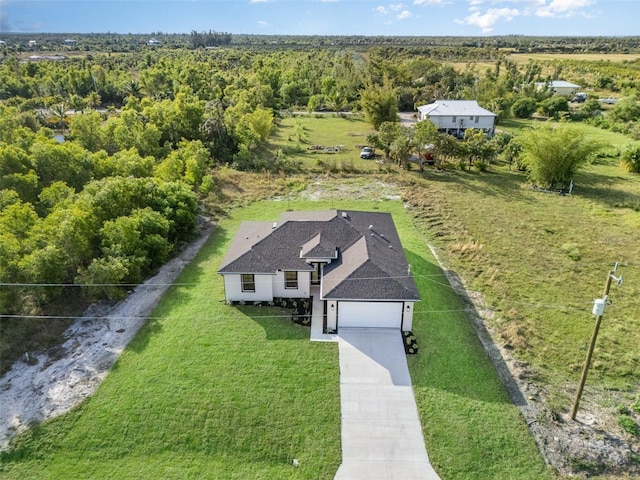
(559, 87)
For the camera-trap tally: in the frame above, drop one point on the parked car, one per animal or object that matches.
(367, 153)
(608, 101)
(580, 97)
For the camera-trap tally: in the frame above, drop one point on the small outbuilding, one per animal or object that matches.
(559, 87)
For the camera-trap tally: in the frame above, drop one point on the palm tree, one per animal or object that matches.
(59, 111)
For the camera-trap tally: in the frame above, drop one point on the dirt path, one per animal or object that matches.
(43, 387)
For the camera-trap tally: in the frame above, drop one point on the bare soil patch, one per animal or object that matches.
(45, 385)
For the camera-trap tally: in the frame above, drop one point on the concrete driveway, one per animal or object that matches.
(381, 433)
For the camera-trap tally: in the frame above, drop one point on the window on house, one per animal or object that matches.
(453, 119)
(471, 117)
(290, 279)
(477, 119)
(248, 282)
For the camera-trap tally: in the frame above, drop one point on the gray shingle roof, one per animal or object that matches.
(371, 264)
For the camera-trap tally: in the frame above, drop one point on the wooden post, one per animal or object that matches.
(592, 345)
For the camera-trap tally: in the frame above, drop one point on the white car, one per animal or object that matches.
(608, 101)
(367, 153)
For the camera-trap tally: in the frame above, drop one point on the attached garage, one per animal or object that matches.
(370, 314)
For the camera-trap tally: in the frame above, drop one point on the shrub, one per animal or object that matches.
(628, 424)
(524, 107)
(630, 158)
(410, 343)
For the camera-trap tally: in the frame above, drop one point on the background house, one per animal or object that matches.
(559, 87)
(352, 260)
(455, 116)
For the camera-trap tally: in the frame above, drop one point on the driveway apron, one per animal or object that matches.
(381, 432)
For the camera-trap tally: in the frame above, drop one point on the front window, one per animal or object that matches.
(248, 282)
(290, 279)
(453, 119)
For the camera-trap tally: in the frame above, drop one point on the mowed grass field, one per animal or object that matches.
(329, 131)
(207, 390)
(523, 58)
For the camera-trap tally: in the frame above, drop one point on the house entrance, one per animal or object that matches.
(315, 275)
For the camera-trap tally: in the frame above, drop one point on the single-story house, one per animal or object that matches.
(353, 260)
(455, 116)
(559, 87)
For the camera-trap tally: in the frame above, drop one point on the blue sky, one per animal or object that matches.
(326, 17)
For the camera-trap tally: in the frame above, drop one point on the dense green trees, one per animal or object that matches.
(70, 213)
(552, 155)
(379, 103)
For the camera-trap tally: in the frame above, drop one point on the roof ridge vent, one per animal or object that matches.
(275, 224)
(344, 215)
(370, 227)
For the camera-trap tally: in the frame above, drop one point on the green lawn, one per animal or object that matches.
(329, 131)
(207, 390)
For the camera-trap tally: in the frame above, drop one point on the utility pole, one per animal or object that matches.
(598, 309)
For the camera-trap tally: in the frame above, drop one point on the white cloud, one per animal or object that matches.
(562, 8)
(381, 10)
(404, 15)
(397, 7)
(263, 24)
(258, 1)
(487, 20)
(432, 3)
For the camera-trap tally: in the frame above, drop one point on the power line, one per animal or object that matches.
(190, 284)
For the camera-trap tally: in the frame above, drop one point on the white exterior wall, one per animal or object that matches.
(565, 91)
(407, 317)
(446, 121)
(332, 314)
(304, 286)
(233, 288)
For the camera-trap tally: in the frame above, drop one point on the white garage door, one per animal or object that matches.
(369, 314)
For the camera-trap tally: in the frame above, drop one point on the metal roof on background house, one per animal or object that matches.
(370, 263)
(455, 108)
(559, 84)
(562, 83)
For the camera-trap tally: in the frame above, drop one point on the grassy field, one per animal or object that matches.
(209, 390)
(540, 259)
(328, 131)
(523, 58)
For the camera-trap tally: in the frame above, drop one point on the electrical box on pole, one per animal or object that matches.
(598, 310)
(598, 306)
